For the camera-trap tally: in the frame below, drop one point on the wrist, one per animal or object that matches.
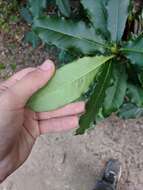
(8, 165)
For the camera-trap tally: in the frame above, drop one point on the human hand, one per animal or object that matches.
(19, 126)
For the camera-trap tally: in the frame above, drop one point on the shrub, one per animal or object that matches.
(110, 41)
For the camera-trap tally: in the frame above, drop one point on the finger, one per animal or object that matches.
(58, 124)
(32, 82)
(68, 110)
(18, 76)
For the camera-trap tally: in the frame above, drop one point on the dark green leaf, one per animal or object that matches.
(13, 66)
(97, 14)
(133, 50)
(2, 66)
(37, 6)
(67, 43)
(26, 15)
(135, 93)
(140, 77)
(129, 111)
(66, 57)
(67, 34)
(116, 92)
(69, 82)
(32, 38)
(64, 7)
(117, 17)
(132, 71)
(97, 98)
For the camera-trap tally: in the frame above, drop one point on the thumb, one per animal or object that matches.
(32, 82)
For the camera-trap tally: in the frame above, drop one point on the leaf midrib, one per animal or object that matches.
(116, 27)
(79, 38)
(87, 73)
(73, 81)
(131, 50)
(70, 35)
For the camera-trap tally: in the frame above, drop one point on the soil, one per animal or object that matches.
(68, 162)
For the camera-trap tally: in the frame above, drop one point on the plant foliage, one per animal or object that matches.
(72, 80)
(111, 45)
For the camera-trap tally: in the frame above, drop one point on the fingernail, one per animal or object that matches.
(47, 65)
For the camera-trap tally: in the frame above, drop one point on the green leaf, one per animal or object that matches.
(132, 71)
(117, 17)
(68, 84)
(116, 92)
(2, 66)
(67, 34)
(97, 14)
(37, 6)
(129, 111)
(140, 77)
(66, 57)
(96, 100)
(13, 66)
(26, 15)
(133, 50)
(135, 93)
(68, 43)
(32, 38)
(64, 7)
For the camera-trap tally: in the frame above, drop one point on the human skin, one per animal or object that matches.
(20, 126)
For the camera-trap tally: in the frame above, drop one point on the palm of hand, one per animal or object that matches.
(20, 127)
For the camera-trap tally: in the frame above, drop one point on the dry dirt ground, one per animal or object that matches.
(68, 162)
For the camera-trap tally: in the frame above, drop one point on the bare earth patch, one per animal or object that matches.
(68, 162)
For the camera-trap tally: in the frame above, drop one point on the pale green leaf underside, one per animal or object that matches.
(117, 16)
(68, 84)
